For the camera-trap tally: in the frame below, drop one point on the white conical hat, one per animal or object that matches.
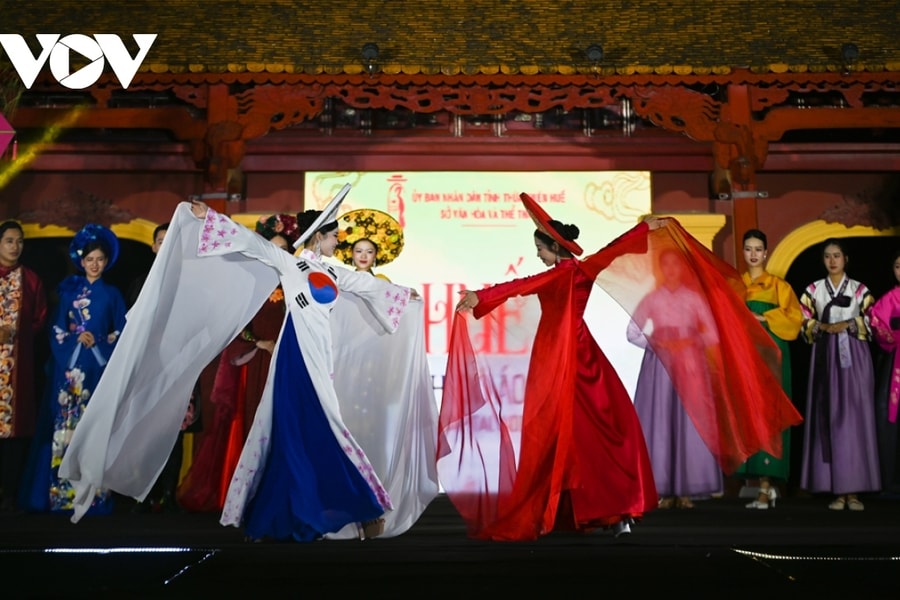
(328, 215)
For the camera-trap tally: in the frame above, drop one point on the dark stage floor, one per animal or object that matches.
(717, 550)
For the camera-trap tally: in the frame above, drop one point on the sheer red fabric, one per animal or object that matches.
(743, 409)
(536, 430)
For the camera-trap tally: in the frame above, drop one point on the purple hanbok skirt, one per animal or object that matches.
(682, 463)
(840, 446)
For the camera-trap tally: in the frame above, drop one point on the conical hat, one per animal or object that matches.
(542, 221)
(328, 215)
(378, 227)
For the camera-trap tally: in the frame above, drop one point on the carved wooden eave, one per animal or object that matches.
(237, 107)
(263, 102)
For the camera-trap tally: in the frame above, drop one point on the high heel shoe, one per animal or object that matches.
(371, 529)
(770, 493)
(666, 502)
(683, 502)
(621, 528)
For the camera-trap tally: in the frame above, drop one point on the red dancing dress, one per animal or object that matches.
(580, 462)
(576, 457)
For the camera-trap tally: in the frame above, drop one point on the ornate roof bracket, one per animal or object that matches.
(217, 119)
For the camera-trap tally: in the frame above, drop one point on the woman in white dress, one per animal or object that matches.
(302, 474)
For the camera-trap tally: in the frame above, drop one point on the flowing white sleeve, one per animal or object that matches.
(189, 309)
(220, 236)
(387, 301)
(386, 396)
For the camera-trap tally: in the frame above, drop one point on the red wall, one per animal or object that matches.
(794, 199)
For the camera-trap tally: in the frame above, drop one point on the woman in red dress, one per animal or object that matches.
(581, 462)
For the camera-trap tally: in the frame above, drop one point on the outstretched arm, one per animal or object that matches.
(387, 301)
(220, 235)
(485, 300)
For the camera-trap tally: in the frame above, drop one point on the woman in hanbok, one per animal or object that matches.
(884, 318)
(582, 463)
(23, 313)
(777, 308)
(89, 319)
(840, 446)
(302, 474)
(240, 378)
(678, 325)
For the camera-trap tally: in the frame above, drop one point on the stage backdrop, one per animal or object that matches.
(468, 229)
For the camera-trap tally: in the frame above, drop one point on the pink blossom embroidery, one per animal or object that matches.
(399, 300)
(217, 232)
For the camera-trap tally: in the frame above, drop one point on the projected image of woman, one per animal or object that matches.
(680, 326)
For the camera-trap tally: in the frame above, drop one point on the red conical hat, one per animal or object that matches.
(542, 221)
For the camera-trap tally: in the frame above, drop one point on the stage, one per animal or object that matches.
(717, 550)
